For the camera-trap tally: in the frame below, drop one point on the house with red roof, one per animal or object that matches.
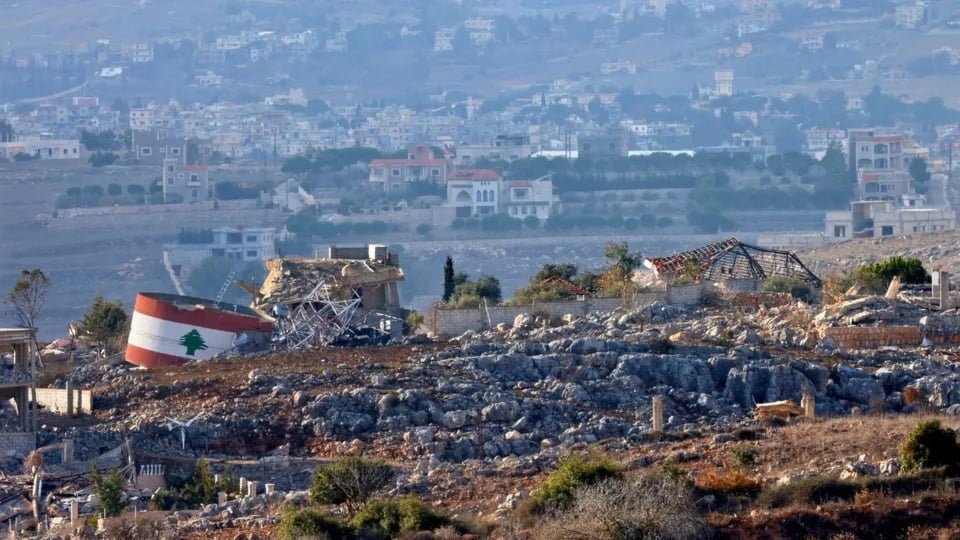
(395, 174)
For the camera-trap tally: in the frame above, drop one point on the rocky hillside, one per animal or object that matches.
(476, 422)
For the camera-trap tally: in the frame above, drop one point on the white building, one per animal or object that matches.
(238, 244)
(724, 82)
(41, 148)
(501, 148)
(443, 39)
(910, 15)
(481, 192)
(137, 53)
(877, 219)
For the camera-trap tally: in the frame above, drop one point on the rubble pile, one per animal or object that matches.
(871, 311)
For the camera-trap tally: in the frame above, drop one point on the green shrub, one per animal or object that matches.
(390, 517)
(930, 445)
(744, 456)
(165, 500)
(796, 287)
(809, 491)
(306, 523)
(909, 269)
(350, 481)
(559, 487)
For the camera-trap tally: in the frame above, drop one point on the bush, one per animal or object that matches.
(306, 523)
(390, 517)
(647, 507)
(102, 159)
(424, 229)
(744, 456)
(350, 481)
(930, 445)
(809, 491)
(909, 269)
(797, 288)
(559, 488)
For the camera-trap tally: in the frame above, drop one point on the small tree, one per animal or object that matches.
(930, 445)
(28, 296)
(449, 284)
(201, 489)
(351, 482)
(109, 491)
(104, 322)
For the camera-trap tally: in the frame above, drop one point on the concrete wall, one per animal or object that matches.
(55, 400)
(871, 337)
(19, 443)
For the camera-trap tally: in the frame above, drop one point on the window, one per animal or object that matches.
(169, 168)
(65, 151)
(234, 238)
(174, 151)
(886, 230)
(533, 210)
(514, 210)
(218, 252)
(377, 171)
(523, 210)
(395, 172)
(839, 231)
(146, 151)
(163, 150)
(435, 172)
(251, 238)
(251, 253)
(194, 177)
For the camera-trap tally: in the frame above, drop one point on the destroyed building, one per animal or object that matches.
(18, 390)
(370, 274)
(731, 259)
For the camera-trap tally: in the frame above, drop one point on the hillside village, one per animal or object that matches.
(506, 269)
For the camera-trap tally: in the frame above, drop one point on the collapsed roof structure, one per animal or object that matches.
(732, 259)
(322, 301)
(369, 273)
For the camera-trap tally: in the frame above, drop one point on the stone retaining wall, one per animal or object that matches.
(872, 337)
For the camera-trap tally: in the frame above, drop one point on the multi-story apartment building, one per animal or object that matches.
(154, 147)
(910, 15)
(877, 156)
(185, 183)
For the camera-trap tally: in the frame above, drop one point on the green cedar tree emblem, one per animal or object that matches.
(194, 342)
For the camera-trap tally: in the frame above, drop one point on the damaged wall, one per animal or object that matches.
(19, 443)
